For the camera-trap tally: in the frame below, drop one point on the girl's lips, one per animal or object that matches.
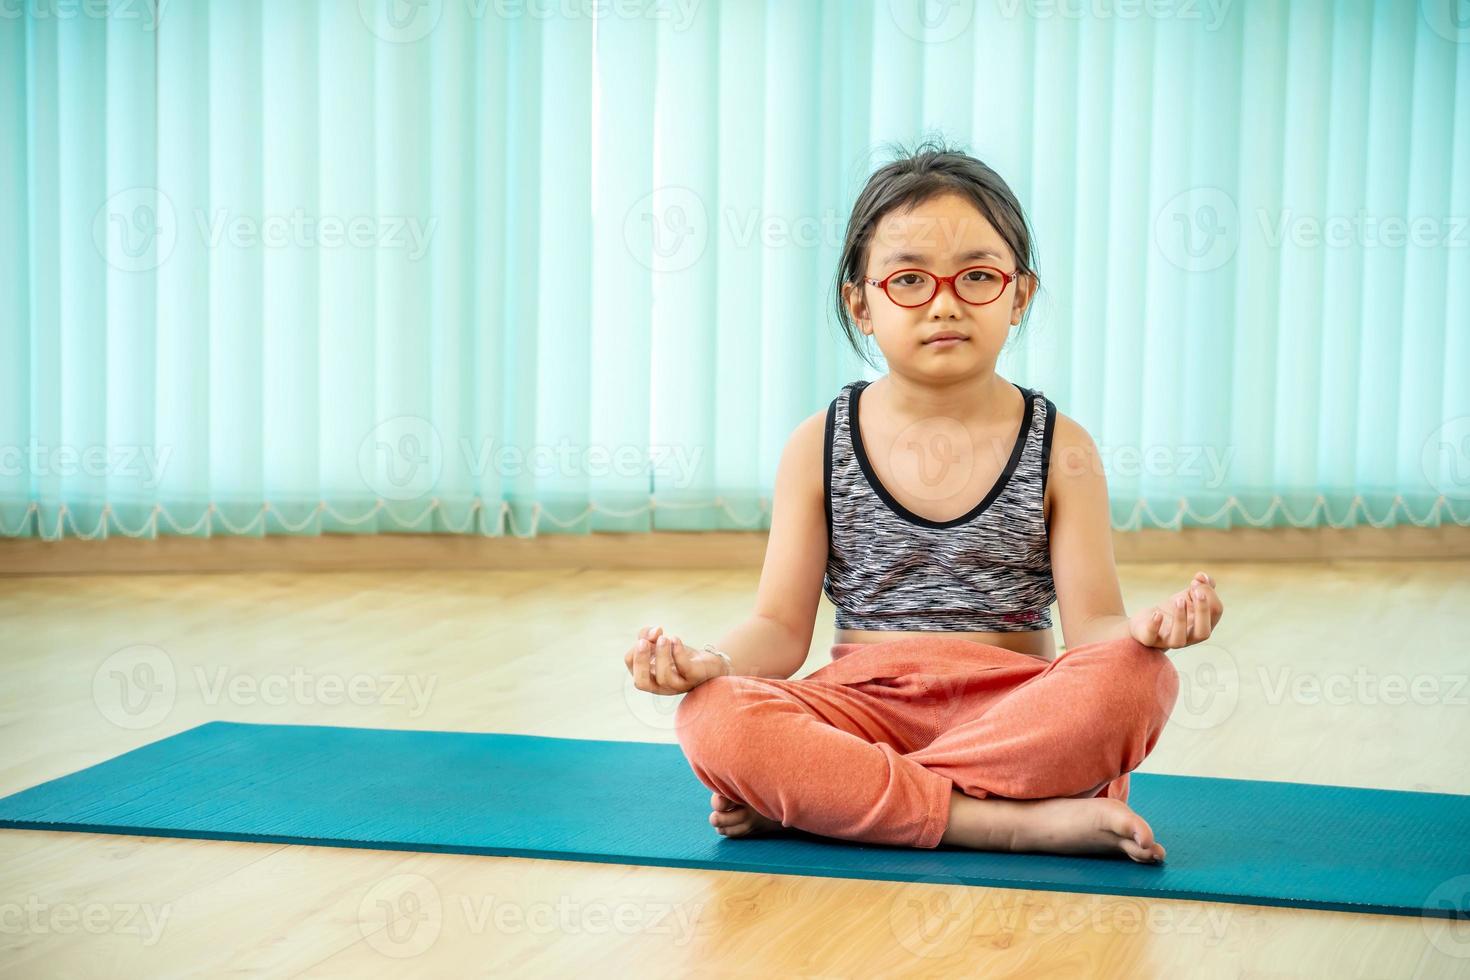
(946, 342)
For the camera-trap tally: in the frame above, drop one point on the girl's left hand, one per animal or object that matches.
(1185, 618)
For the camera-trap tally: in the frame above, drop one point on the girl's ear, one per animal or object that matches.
(1025, 290)
(857, 307)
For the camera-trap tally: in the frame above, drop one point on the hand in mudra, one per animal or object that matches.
(662, 664)
(1184, 619)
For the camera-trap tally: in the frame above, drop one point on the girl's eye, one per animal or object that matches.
(978, 275)
(908, 279)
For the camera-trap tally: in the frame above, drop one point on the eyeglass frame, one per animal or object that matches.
(1006, 279)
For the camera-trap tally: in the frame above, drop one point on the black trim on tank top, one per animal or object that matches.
(827, 467)
(1046, 431)
(1051, 422)
(856, 437)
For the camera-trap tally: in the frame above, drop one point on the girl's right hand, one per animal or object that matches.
(675, 668)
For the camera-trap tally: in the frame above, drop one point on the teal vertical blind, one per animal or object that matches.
(467, 267)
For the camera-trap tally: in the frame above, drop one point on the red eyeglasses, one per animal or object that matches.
(977, 285)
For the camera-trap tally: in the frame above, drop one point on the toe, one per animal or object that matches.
(1135, 852)
(1125, 823)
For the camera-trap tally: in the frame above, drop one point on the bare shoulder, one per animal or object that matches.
(807, 446)
(796, 549)
(1073, 457)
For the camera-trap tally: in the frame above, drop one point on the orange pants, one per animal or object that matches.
(870, 747)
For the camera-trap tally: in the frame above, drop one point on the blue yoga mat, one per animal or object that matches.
(1229, 840)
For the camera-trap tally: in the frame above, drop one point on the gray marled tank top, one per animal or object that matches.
(890, 569)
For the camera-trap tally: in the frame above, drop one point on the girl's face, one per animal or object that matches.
(942, 236)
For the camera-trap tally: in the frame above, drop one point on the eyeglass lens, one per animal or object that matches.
(913, 288)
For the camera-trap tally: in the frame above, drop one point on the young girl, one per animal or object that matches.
(942, 508)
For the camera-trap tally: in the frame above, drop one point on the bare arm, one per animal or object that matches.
(1083, 565)
(775, 640)
(1085, 571)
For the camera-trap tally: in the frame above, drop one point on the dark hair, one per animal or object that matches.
(915, 176)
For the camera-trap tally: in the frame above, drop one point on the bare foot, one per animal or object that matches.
(1055, 826)
(734, 819)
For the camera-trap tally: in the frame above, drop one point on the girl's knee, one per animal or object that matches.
(1142, 678)
(702, 717)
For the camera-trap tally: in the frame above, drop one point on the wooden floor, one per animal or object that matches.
(542, 653)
